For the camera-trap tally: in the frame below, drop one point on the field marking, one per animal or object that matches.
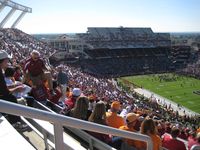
(190, 102)
(178, 96)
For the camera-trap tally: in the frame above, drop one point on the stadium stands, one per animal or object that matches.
(192, 69)
(126, 51)
(108, 61)
(123, 62)
(124, 37)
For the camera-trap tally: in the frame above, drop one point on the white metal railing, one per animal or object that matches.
(16, 5)
(59, 121)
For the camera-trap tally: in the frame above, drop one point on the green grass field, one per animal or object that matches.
(179, 89)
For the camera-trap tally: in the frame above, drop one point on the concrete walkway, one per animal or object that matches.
(163, 101)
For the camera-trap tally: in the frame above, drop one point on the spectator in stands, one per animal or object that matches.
(5, 93)
(131, 119)
(92, 103)
(55, 98)
(80, 109)
(196, 145)
(168, 127)
(113, 119)
(18, 74)
(99, 116)
(22, 96)
(171, 142)
(198, 130)
(40, 92)
(37, 71)
(76, 92)
(68, 92)
(62, 80)
(183, 134)
(193, 139)
(148, 127)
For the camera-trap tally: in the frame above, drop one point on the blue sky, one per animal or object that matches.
(72, 16)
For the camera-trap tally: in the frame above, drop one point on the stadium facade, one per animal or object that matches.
(121, 51)
(126, 51)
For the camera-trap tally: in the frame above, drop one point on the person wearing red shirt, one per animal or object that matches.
(76, 92)
(193, 139)
(171, 142)
(18, 74)
(34, 69)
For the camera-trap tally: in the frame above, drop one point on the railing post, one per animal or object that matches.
(58, 132)
(91, 144)
(45, 139)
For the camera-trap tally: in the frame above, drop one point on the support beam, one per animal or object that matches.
(16, 5)
(2, 7)
(3, 22)
(18, 20)
(3, 4)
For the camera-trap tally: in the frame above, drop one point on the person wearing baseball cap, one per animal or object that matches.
(6, 94)
(131, 119)
(113, 119)
(76, 92)
(4, 55)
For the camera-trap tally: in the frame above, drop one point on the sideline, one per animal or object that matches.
(163, 101)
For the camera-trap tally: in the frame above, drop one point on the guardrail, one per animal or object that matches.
(59, 121)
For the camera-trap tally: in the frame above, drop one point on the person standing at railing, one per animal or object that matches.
(7, 94)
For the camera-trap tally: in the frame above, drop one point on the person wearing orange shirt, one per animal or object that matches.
(112, 118)
(198, 130)
(131, 119)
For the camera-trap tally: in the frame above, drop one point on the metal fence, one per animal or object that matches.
(59, 121)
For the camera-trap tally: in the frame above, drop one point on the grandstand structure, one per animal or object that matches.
(118, 38)
(20, 44)
(14, 7)
(180, 55)
(126, 51)
(110, 51)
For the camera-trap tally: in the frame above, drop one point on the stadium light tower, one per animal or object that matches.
(14, 6)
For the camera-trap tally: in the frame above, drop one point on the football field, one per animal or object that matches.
(179, 89)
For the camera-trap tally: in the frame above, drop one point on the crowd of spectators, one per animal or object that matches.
(192, 69)
(92, 98)
(124, 62)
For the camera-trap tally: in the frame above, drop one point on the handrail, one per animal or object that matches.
(59, 121)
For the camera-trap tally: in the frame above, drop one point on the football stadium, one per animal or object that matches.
(110, 88)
